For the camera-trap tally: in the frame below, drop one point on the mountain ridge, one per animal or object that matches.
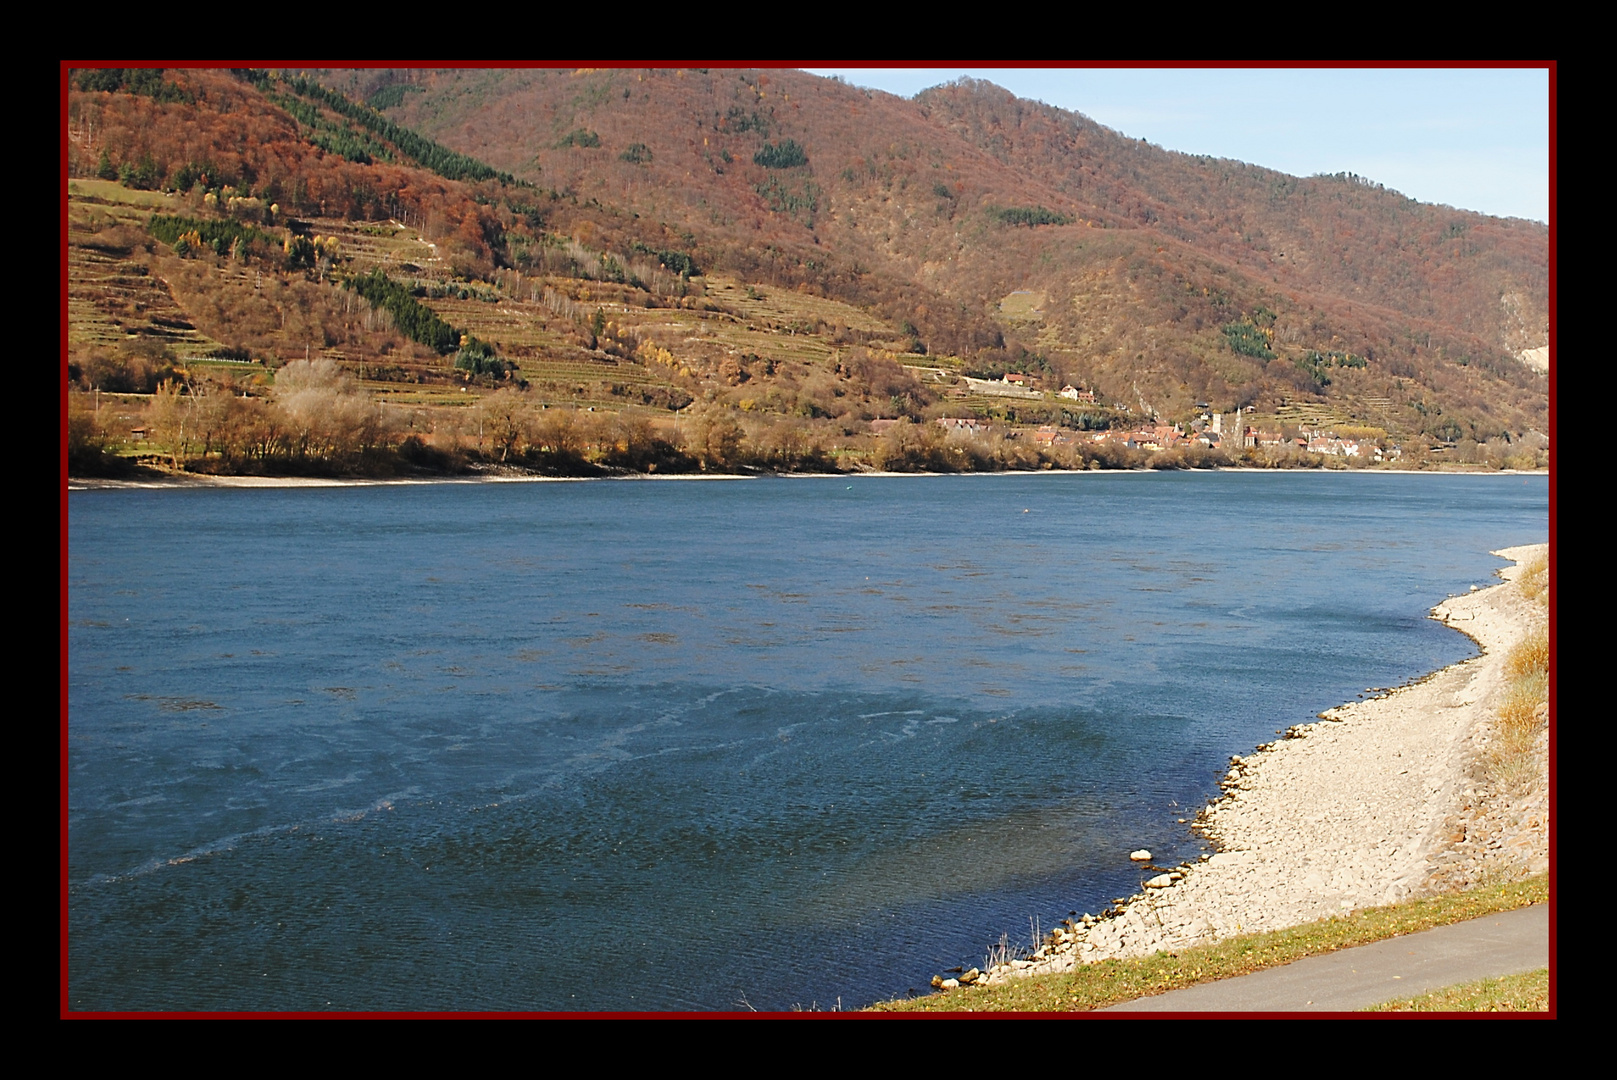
(987, 234)
(1076, 165)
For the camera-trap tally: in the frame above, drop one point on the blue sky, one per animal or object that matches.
(1473, 138)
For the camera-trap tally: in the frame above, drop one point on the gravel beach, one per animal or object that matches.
(1378, 801)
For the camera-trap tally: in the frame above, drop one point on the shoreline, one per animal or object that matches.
(183, 481)
(1377, 801)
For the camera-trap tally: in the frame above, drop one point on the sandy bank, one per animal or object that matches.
(199, 480)
(504, 475)
(1378, 801)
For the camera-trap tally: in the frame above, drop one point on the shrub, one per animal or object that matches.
(415, 320)
(1030, 216)
(580, 137)
(214, 232)
(787, 155)
(1247, 339)
(479, 358)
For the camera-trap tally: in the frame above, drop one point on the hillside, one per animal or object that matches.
(777, 258)
(1184, 244)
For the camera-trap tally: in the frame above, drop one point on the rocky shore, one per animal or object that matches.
(1379, 801)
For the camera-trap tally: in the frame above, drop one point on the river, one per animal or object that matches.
(660, 745)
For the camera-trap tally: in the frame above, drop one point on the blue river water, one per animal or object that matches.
(659, 745)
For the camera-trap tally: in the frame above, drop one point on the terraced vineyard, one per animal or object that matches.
(1311, 415)
(589, 345)
(388, 246)
(727, 344)
(789, 308)
(113, 297)
(721, 344)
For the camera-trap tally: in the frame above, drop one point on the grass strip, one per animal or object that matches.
(1111, 982)
(1527, 992)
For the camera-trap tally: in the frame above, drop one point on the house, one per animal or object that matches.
(1001, 387)
(1252, 437)
(1329, 443)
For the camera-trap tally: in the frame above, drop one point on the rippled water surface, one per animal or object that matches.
(663, 745)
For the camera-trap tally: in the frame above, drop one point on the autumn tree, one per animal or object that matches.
(508, 421)
(714, 439)
(327, 417)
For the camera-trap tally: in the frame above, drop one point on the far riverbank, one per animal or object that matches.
(205, 480)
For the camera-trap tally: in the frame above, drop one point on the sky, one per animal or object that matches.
(1473, 138)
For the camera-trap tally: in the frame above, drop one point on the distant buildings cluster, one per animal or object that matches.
(1321, 442)
(1212, 431)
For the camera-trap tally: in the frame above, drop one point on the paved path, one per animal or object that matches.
(1508, 943)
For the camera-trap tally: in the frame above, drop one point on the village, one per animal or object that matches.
(1207, 431)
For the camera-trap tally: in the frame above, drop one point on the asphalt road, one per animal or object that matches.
(1508, 943)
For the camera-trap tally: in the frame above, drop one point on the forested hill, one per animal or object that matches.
(939, 208)
(737, 268)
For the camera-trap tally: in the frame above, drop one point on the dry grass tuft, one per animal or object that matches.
(1524, 705)
(1523, 714)
(1535, 580)
(1531, 656)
